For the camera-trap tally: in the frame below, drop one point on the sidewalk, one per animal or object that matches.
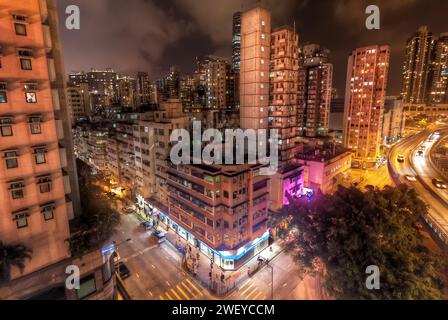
(201, 267)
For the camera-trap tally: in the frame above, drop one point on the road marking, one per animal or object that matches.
(259, 294)
(183, 292)
(189, 290)
(153, 266)
(168, 295)
(169, 285)
(175, 293)
(246, 283)
(150, 293)
(252, 292)
(191, 284)
(244, 292)
(285, 284)
(161, 298)
(138, 276)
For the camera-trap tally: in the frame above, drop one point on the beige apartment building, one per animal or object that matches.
(38, 182)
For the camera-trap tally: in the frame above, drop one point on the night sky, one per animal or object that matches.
(151, 35)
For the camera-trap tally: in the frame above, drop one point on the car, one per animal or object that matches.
(410, 178)
(400, 158)
(146, 225)
(160, 236)
(123, 270)
(439, 183)
(419, 153)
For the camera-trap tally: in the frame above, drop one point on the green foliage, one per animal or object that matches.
(98, 220)
(12, 256)
(340, 235)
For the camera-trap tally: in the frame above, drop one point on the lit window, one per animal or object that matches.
(39, 155)
(20, 29)
(48, 211)
(35, 125)
(26, 64)
(31, 97)
(262, 49)
(262, 61)
(263, 23)
(263, 36)
(21, 218)
(3, 97)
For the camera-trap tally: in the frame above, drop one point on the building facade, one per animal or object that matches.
(314, 94)
(416, 66)
(367, 76)
(38, 180)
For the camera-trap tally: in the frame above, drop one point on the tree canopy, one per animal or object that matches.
(98, 220)
(340, 235)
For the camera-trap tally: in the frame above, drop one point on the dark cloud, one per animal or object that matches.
(150, 35)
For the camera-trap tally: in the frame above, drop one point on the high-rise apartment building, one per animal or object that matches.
(143, 88)
(417, 66)
(365, 94)
(127, 91)
(255, 69)
(236, 41)
(216, 77)
(438, 93)
(284, 64)
(78, 102)
(38, 181)
(315, 90)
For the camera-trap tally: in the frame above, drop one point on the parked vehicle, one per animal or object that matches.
(160, 236)
(123, 270)
(400, 158)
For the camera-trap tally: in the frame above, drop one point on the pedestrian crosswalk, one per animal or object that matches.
(186, 290)
(249, 291)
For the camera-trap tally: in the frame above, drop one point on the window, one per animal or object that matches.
(35, 124)
(20, 29)
(21, 218)
(16, 189)
(11, 159)
(31, 97)
(44, 184)
(87, 287)
(6, 127)
(25, 64)
(39, 155)
(3, 96)
(48, 211)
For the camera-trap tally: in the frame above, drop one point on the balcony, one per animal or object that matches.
(63, 156)
(67, 185)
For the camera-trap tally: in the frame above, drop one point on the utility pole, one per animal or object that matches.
(272, 280)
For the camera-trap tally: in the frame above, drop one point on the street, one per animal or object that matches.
(156, 273)
(422, 170)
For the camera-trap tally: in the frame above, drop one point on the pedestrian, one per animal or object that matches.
(270, 249)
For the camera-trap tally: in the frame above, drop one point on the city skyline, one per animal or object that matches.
(205, 29)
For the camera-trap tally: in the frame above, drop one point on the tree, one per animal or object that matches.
(340, 235)
(12, 256)
(97, 221)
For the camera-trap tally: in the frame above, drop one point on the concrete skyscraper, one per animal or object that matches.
(417, 66)
(314, 95)
(439, 71)
(365, 94)
(236, 41)
(254, 69)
